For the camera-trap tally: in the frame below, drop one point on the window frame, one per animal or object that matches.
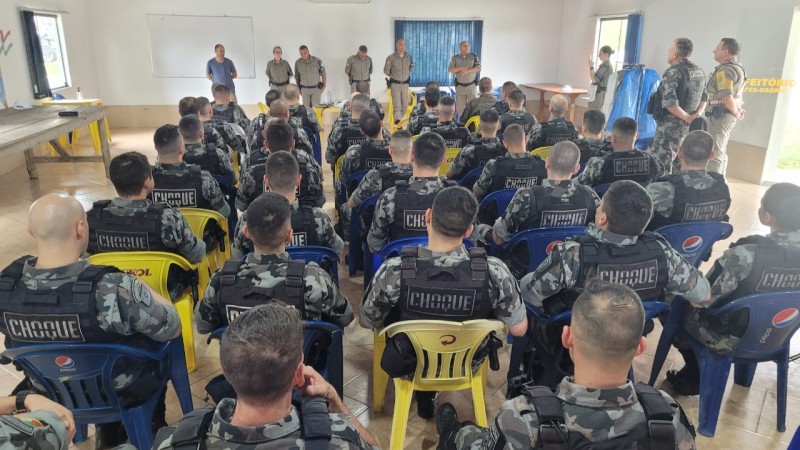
(62, 47)
(618, 58)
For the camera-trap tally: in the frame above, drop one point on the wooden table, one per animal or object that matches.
(555, 88)
(22, 130)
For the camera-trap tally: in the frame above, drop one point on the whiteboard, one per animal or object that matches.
(180, 46)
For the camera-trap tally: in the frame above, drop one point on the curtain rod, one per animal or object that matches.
(616, 13)
(34, 9)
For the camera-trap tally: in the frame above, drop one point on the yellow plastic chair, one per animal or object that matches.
(337, 167)
(264, 109)
(401, 124)
(542, 152)
(414, 138)
(444, 363)
(198, 219)
(474, 120)
(380, 379)
(153, 269)
(412, 104)
(450, 155)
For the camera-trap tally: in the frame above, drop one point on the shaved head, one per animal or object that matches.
(54, 217)
(559, 105)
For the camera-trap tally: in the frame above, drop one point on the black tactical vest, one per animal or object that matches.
(389, 178)
(486, 149)
(409, 212)
(691, 87)
(298, 116)
(642, 266)
(180, 191)
(525, 119)
(208, 160)
(775, 268)
(456, 293)
(576, 210)
(67, 314)
(223, 115)
(304, 227)
(695, 205)
(633, 165)
(454, 136)
(351, 135)
(237, 294)
(258, 167)
(515, 173)
(557, 131)
(371, 156)
(138, 231)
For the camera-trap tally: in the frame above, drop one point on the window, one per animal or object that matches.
(432, 43)
(611, 31)
(47, 55)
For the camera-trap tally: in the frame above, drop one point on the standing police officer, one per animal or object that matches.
(465, 66)
(600, 77)
(358, 68)
(278, 70)
(676, 102)
(724, 88)
(398, 68)
(309, 72)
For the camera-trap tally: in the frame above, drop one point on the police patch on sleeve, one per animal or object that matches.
(140, 293)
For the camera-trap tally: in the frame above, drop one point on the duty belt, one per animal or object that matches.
(715, 102)
(356, 81)
(309, 87)
(474, 82)
(279, 84)
(393, 81)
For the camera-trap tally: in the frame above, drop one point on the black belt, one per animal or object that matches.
(467, 84)
(309, 87)
(393, 81)
(279, 84)
(356, 81)
(600, 89)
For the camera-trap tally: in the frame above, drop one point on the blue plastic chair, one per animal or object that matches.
(392, 249)
(500, 199)
(773, 322)
(350, 186)
(795, 444)
(316, 146)
(79, 376)
(694, 240)
(540, 241)
(323, 256)
(601, 189)
(332, 368)
(355, 255)
(471, 178)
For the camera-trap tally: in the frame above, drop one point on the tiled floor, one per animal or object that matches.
(748, 416)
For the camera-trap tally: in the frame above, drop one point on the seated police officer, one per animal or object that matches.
(261, 354)
(503, 106)
(400, 211)
(278, 136)
(279, 110)
(598, 407)
(382, 177)
(625, 163)
(269, 273)
(362, 87)
(592, 143)
(410, 287)
(299, 115)
(430, 114)
(691, 194)
(224, 129)
(32, 421)
(179, 184)
(347, 132)
(481, 148)
(367, 155)
(310, 225)
(753, 264)
(480, 104)
(422, 105)
(133, 222)
(556, 203)
(516, 169)
(516, 113)
(556, 129)
(225, 110)
(455, 135)
(190, 105)
(207, 156)
(89, 304)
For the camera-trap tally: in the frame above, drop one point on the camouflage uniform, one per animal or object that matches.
(352, 162)
(736, 264)
(727, 79)
(210, 188)
(338, 142)
(561, 270)
(598, 415)
(663, 192)
(455, 136)
(513, 116)
(384, 210)
(420, 121)
(467, 158)
(476, 106)
(323, 301)
(552, 132)
(241, 245)
(44, 430)
(228, 135)
(670, 130)
(483, 186)
(124, 307)
(591, 148)
(592, 174)
(383, 292)
(239, 117)
(374, 105)
(502, 107)
(175, 232)
(286, 434)
(372, 184)
(250, 187)
(223, 163)
(304, 117)
(213, 136)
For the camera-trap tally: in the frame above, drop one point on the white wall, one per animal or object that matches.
(517, 40)
(762, 29)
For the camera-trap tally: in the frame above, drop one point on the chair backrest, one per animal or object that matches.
(316, 145)
(393, 248)
(471, 177)
(540, 242)
(414, 138)
(652, 309)
(198, 220)
(694, 240)
(263, 108)
(542, 152)
(450, 154)
(352, 183)
(445, 350)
(773, 321)
(151, 267)
(338, 167)
(601, 189)
(323, 256)
(473, 122)
(355, 250)
(500, 199)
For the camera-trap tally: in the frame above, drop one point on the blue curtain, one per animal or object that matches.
(433, 42)
(633, 37)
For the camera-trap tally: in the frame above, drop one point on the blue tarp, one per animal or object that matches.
(631, 100)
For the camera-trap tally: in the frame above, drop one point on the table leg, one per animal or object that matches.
(571, 110)
(30, 164)
(101, 128)
(62, 152)
(542, 108)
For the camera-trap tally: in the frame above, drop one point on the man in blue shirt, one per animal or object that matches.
(220, 69)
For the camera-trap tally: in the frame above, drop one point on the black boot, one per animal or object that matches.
(687, 380)
(110, 435)
(426, 404)
(447, 425)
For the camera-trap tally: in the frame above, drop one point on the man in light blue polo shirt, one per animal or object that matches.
(220, 69)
